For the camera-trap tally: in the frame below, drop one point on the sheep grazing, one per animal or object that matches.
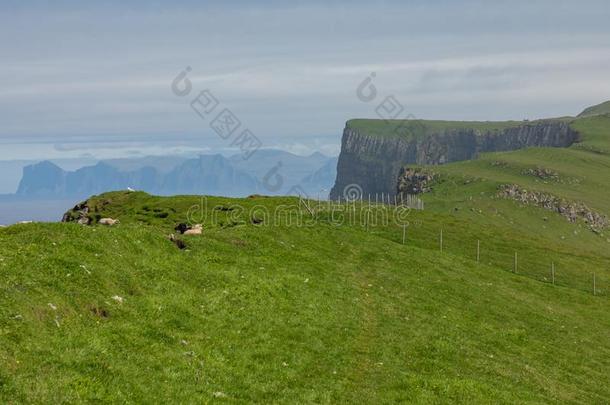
(196, 230)
(186, 229)
(182, 227)
(109, 221)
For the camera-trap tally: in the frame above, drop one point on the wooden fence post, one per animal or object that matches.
(478, 251)
(515, 267)
(553, 273)
(404, 233)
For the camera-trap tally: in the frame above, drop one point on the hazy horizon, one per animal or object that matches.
(89, 80)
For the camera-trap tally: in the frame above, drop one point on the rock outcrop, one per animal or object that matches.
(373, 161)
(572, 211)
(78, 214)
(541, 173)
(412, 181)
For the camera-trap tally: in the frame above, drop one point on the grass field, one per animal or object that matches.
(328, 313)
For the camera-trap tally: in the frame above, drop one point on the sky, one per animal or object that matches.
(87, 80)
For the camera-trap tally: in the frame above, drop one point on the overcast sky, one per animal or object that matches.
(89, 80)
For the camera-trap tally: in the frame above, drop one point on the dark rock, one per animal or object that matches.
(84, 220)
(78, 214)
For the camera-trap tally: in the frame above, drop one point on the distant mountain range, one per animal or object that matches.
(269, 172)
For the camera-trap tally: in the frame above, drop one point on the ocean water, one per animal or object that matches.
(15, 211)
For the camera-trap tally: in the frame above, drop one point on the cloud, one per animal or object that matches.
(290, 71)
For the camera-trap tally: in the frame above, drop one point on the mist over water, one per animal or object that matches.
(12, 212)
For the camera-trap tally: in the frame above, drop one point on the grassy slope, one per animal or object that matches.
(289, 314)
(599, 109)
(583, 168)
(469, 191)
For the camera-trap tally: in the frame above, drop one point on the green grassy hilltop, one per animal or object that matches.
(599, 109)
(326, 312)
(278, 302)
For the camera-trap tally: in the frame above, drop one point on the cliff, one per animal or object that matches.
(374, 151)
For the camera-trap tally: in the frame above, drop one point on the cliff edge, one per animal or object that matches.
(374, 151)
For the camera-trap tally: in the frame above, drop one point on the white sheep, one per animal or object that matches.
(196, 230)
(109, 221)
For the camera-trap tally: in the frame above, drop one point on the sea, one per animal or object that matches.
(13, 211)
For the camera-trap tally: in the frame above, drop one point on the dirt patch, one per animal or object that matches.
(180, 244)
(238, 242)
(100, 312)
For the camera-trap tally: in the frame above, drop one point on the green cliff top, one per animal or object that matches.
(421, 128)
(415, 128)
(600, 109)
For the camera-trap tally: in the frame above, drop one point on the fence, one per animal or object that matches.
(565, 270)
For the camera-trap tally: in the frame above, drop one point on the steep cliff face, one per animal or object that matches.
(373, 162)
